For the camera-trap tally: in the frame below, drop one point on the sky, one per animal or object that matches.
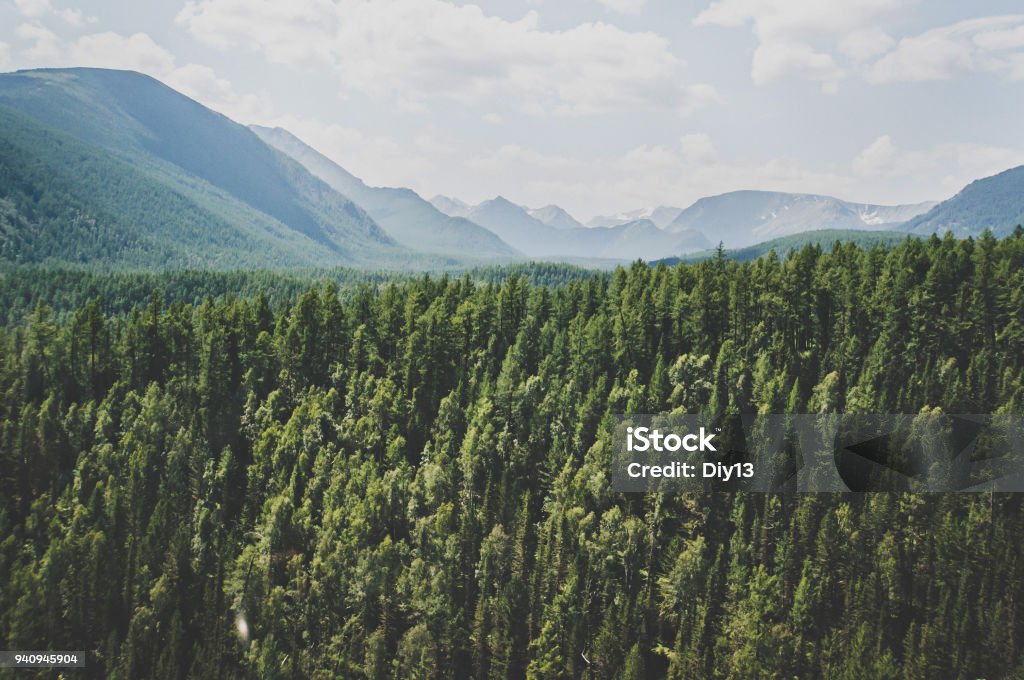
(599, 106)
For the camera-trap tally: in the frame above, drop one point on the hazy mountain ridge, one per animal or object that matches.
(451, 206)
(742, 218)
(403, 214)
(79, 147)
(995, 202)
(661, 216)
(824, 238)
(638, 239)
(554, 216)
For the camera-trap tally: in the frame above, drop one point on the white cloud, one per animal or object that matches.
(509, 156)
(976, 45)
(417, 50)
(828, 40)
(795, 36)
(863, 45)
(378, 160)
(199, 81)
(137, 52)
(796, 19)
(775, 60)
(40, 9)
(949, 165)
(624, 6)
(45, 46)
(698, 149)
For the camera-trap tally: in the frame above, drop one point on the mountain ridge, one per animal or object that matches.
(995, 202)
(158, 140)
(408, 218)
(742, 218)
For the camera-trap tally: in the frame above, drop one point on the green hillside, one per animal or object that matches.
(114, 169)
(995, 203)
(825, 238)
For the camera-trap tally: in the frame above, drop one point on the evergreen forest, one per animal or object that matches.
(245, 475)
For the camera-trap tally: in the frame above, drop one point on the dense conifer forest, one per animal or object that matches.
(411, 479)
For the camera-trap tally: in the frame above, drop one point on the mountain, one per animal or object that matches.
(556, 217)
(638, 239)
(995, 203)
(512, 224)
(503, 210)
(115, 169)
(409, 219)
(451, 206)
(825, 238)
(661, 216)
(742, 218)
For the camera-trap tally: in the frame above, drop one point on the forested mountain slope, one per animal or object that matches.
(413, 481)
(129, 172)
(995, 203)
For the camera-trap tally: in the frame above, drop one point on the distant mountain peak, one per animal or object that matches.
(555, 216)
(661, 216)
(450, 206)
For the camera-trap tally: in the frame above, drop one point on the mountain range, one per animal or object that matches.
(516, 226)
(411, 220)
(661, 216)
(743, 218)
(113, 169)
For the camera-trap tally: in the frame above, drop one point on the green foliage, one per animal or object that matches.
(114, 169)
(411, 479)
(826, 238)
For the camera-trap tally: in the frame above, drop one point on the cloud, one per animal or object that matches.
(379, 160)
(624, 6)
(977, 45)
(795, 37)
(950, 165)
(508, 156)
(40, 9)
(830, 40)
(861, 46)
(46, 46)
(418, 50)
(776, 60)
(5, 55)
(698, 149)
(137, 52)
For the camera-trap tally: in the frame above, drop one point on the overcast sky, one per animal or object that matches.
(599, 106)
